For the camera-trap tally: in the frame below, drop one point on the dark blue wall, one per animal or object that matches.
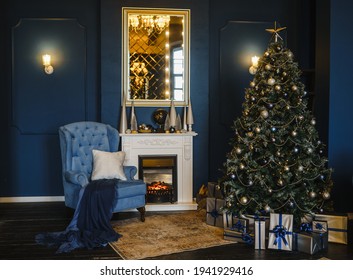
(34, 105)
(341, 102)
(237, 29)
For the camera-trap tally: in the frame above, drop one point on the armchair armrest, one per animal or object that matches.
(77, 178)
(130, 172)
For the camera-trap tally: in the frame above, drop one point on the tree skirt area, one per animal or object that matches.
(163, 234)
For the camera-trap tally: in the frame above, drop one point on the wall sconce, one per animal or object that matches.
(48, 69)
(255, 63)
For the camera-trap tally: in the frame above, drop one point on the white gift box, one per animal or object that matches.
(280, 233)
(260, 228)
(232, 222)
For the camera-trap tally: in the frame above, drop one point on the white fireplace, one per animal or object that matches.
(163, 144)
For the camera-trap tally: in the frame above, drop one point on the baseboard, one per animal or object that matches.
(16, 199)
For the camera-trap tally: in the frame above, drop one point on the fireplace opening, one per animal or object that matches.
(160, 174)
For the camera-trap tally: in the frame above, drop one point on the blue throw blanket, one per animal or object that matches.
(90, 226)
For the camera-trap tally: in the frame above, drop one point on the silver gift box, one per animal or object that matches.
(231, 221)
(310, 243)
(240, 237)
(214, 214)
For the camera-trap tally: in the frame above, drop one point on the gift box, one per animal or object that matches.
(280, 233)
(337, 227)
(232, 222)
(251, 220)
(240, 237)
(319, 226)
(260, 234)
(214, 190)
(214, 214)
(310, 243)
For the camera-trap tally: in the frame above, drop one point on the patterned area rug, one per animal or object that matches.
(163, 234)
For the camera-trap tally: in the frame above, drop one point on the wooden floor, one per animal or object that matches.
(20, 222)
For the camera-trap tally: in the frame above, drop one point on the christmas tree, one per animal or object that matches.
(277, 162)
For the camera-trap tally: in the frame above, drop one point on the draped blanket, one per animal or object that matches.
(90, 226)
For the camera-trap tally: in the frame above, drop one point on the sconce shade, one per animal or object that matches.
(48, 69)
(46, 59)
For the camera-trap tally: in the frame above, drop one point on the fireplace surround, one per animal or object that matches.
(179, 145)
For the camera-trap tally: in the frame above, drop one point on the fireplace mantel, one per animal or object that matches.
(180, 144)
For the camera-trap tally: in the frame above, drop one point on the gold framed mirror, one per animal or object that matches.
(155, 57)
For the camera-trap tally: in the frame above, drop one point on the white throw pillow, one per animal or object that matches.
(108, 165)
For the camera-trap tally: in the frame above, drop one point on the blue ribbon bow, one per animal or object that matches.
(280, 233)
(306, 227)
(247, 238)
(239, 226)
(319, 226)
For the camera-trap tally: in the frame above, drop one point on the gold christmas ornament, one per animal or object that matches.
(268, 67)
(277, 87)
(312, 194)
(294, 87)
(257, 129)
(238, 151)
(264, 114)
(244, 200)
(271, 81)
(294, 133)
(252, 84)
(326, 195)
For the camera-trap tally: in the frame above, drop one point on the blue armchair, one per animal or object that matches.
(77, 140)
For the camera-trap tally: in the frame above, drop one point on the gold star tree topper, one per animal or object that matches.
(275, 31)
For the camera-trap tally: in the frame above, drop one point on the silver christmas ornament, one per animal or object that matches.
(313, 122)
(300, 168)
(294, 133)
(267, 208)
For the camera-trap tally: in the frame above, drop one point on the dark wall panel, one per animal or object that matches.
(341, 100)
(41, 102)
(237, 29)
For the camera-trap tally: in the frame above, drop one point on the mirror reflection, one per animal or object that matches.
(155, 56)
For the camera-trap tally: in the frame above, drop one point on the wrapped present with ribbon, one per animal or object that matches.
(319, 226)
(260, 234)
(240, 237)
(214, 214)
(337, 226)
(310, 242)
(232, 222)
(253, 218)
(214, 190)
(280, 233)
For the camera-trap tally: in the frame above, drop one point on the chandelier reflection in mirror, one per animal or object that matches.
(149, 23)
(156, 65)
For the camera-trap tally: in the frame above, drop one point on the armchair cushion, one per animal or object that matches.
(108, 165)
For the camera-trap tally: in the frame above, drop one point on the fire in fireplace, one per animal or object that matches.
(160, 175)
